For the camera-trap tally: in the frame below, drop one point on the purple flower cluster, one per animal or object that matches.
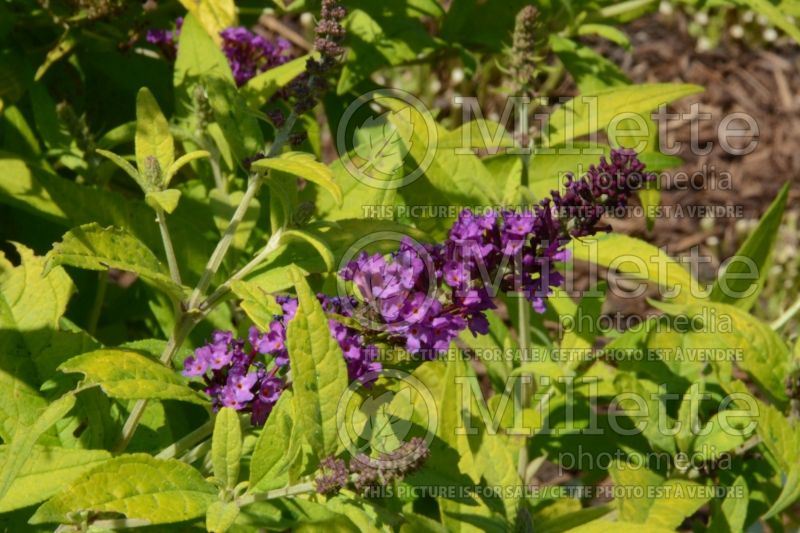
(422, 296)
(235, 377)
(248, 53)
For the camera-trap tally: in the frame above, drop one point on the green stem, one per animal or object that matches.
(169, 250)
(184, 325)
(97, 306)
(224, 244)
(786, 316)
(623, 7)
(225, 288)
(187, 441)
(291, 490)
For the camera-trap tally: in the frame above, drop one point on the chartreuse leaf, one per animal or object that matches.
(153, 139)
(722, 434)
(26, 435)
(302, 165)
(742, 280)
(258, 303)
(592, 112)
(95, 248)
(638, 260)
(213, 15)
(221, 516)
(731, 513)
(650, 499)
(122, 163)
(137, 486)
(226, 447)
(259, 89)
(180, 162)
(202, 69)
(273, 453)
(689, 416)
(166, 199)
(603, 525)
(318, 371)
(30, 308)
(129, 375)
(314, 240)
(45, 472)
(756, 348)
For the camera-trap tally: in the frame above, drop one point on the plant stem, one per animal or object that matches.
(188, 318)
(291, 490)
(224, 244)
(169, 250)
(786, 316)
(184, 325)
(224, 289)
(187, 441)
(97, 306)
(522, 390)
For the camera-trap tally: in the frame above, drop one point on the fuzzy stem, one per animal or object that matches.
(169, 250)
(291, 490)
(187, 441)
(224, 244)
(182, 328)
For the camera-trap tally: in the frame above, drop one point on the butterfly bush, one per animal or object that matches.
(422, 296)
(248, 53)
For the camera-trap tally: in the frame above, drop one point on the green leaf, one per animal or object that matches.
(259, 304)
(202, 68)
(304, 166)
(70, 204)
(213, 15)
(588, 113)
(181, 161)
(678, 499)
(605, 31)
(226, 447)
(26, 435)
(31, 306)
(314, 240)
(166, 199)
(129, 375)
(731, 514)
(45, 472)
(124, 165)
(379, 144)
(639, 260)
(272, 454)
(758, 350)
(318, 370)
(755, 253)
(259, 89)
(137, 486)
(592, 72)
(153, 138)
(381, 39)
(221, 516)
(790, 492)
(95, 248)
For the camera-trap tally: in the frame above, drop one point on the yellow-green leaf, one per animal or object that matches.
(588, 113)
(153, 138)
(640, 260)
(166, 200)
(129, 375)
(45, 472)
(273, 453)
(304, 166)
(213, 15)
(95, 248)
(318, 370)
(259, 89)
(221, 516)
(137, 486)
(181, 161)
(226, 447)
